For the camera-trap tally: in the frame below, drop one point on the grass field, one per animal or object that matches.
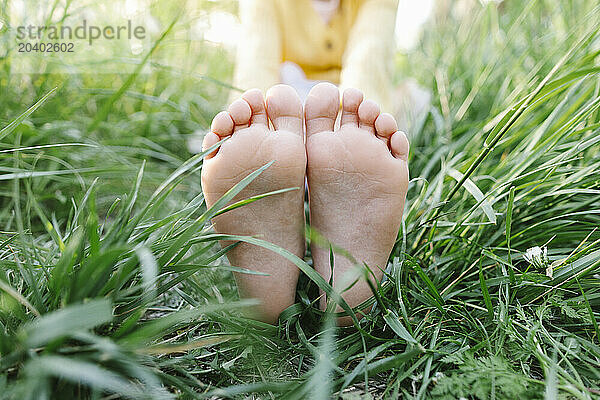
(112, 284)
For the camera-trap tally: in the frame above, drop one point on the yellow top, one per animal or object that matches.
(355, 49)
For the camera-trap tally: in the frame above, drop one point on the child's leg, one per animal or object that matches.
(278, 219)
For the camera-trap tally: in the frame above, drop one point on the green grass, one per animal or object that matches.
(112, 284)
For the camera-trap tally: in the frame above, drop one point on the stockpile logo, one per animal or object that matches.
(107, 37)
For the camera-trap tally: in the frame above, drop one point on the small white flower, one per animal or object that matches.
(438, 375)
(537, 256)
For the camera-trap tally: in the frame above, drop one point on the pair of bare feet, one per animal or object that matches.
(357, 180)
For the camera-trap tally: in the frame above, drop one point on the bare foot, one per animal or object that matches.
(357, 182)
(278, 219)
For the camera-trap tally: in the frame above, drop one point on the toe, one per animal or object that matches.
(350, 102)
(321, 108)
(368, 111)
(221, 127)
(255, 100)
(222, 124)
(385, 126)
(399, 145)
(241, 113)
(210, 139)
(285, 109)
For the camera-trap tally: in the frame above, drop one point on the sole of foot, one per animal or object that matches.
(357, 182)
(250, 144)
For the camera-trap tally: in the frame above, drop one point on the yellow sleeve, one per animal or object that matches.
(259, 47)
(368, 59)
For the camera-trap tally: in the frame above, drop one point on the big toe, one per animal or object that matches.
(285, 109)
(321, 108)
